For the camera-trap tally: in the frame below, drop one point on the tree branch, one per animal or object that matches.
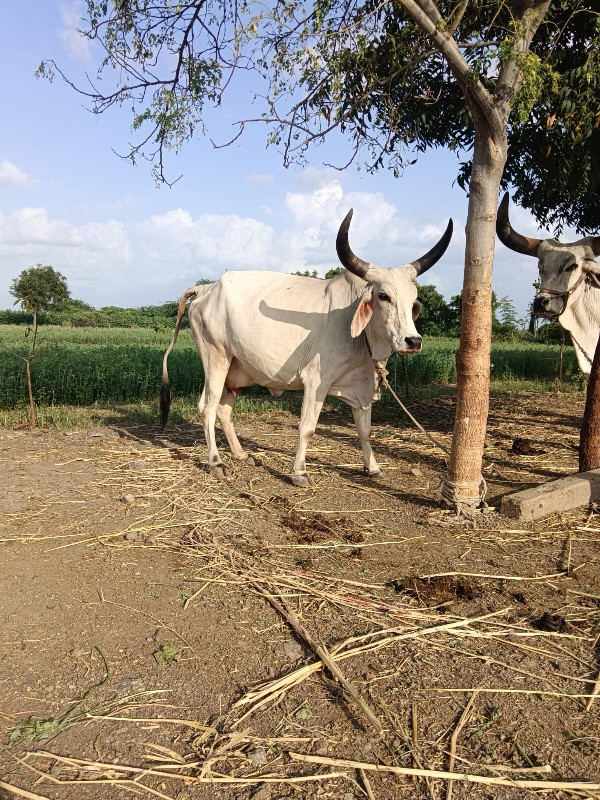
(451, 30)
(474, 91)
(510, 76)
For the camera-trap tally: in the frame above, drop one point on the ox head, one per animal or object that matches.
(563, 267)
(388, 304)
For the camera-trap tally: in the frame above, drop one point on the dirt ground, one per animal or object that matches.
(147, 642)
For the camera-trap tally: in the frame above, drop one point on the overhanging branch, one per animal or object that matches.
(426, 15)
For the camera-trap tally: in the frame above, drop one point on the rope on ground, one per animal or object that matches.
(466, 498)
(382, 372)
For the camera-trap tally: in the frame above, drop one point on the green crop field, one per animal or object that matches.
(85, 366)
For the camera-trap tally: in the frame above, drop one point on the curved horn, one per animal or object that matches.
(346, 256)
(429, 259)
(595, 245)
(509, 237)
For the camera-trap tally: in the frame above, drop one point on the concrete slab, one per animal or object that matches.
(561, 495)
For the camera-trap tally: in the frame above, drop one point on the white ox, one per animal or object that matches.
(569, 283)
(291, 332)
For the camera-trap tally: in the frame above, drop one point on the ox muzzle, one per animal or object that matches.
(544, 304)
(411, 344)
(549, 307)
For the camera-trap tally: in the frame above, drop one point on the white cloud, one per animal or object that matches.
(93, 256)
(32, 228)
(76, 44)
(206, 245)
(155, 259)
(13, 176)
(310, 208)
(377, 233)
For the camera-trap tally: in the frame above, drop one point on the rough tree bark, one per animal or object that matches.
(589, 437)
(463, 483)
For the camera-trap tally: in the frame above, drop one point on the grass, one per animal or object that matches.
(82, 366)
(184, 410)
(88, 376)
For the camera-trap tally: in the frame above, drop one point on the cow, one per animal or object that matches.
(283, 332)
(569, 277)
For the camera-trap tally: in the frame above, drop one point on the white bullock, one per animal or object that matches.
(569, 283)
(284, 332)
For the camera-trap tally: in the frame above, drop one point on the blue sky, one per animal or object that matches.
(67, 200)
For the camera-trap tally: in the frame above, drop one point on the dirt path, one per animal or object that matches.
(119, 552)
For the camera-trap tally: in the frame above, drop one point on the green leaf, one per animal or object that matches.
(32, 729)
(166, 654)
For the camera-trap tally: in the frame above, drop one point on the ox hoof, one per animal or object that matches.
(249, 460)
(302, 481)
(377, 476)
(218, 471)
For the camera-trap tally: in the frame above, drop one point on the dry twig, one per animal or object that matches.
(515, 783)
(323, 655)
(454, 738)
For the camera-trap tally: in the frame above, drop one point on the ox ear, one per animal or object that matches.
(363, 313)
(593, 266)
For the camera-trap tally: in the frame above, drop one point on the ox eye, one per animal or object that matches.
(384, 297)
(570, 268)
(416, 309)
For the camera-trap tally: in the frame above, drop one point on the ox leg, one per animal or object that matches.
(224, 412)
(214, 386)
(312, 403)
(362, 420)
(201, 403)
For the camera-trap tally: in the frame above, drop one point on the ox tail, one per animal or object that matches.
(165, 387)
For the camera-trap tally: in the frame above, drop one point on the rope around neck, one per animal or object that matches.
(584, 352)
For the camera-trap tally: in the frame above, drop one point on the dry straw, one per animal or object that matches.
(515, 783)
(212, 527)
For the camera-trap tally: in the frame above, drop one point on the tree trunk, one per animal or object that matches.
(589, 438)
(462, 485)
(32, 417)
(35, 331)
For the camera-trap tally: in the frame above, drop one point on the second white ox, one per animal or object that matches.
(569, 283)
(291, 332)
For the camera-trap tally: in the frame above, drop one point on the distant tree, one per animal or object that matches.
(550, 332)
(331, 273)
(504, 316)
(71, 312)
(507, 313)
(455, 308)
(71, 304)
(203, 281)
(436, 317)
(307, 273)
(13, 317)
(115, 317)
(38, 288)
(505, 323)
